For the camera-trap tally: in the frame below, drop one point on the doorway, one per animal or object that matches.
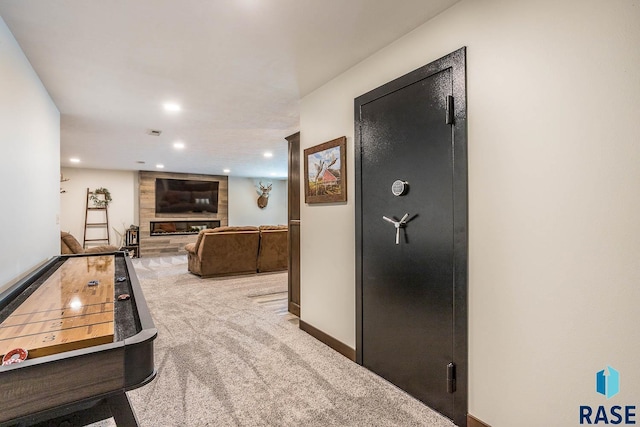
(411, 234)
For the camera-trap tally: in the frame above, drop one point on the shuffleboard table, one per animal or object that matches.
(86, 346)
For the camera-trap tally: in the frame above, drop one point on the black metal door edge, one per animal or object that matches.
(456, 61)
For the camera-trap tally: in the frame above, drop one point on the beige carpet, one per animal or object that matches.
(228, 354)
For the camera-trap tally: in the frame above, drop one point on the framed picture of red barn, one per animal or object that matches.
(325, 172)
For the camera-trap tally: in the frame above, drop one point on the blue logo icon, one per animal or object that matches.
(608, 384)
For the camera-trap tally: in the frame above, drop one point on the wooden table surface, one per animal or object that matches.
(65, 313)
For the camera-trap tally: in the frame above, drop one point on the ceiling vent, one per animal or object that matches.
(154, 132)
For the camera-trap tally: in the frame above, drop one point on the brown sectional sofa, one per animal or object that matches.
(70, 245)
(238, 250)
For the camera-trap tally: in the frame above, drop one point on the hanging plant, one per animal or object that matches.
(101, 202)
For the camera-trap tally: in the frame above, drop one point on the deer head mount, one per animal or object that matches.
(264, 195)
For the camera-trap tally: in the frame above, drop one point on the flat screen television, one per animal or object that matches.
(186, 196)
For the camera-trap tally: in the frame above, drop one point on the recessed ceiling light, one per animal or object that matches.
(140, 162)
(160, 166)
(268, 154)
(74, 160)
(178, 145)
(171, 107)
(226, 170)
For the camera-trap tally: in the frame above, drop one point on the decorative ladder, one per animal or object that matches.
(95, 225)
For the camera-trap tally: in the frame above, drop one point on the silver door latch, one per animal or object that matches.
(398, 225)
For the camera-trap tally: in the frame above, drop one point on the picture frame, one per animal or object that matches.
(325, 172)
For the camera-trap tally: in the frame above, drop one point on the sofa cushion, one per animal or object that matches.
(273, 252)
(71, 243)
(64, 249)
(224, 229)
(189, 248)
(233, 228)
(196, 246)
(273, 227)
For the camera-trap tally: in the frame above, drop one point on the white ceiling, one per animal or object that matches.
(238, 68)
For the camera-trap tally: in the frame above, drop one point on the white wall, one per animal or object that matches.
(123, 210)
(554, 203)
(29, 165)
(243, 206)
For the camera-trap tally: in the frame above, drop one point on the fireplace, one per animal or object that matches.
(163, 228)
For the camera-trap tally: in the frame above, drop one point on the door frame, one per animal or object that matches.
(456, 61)
(293, 218)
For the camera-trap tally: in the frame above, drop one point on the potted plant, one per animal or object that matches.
(100, 202)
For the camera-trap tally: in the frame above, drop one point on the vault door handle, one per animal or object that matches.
(397, 225)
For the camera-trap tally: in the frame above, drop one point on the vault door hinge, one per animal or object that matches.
(451, 377)
(450, 110)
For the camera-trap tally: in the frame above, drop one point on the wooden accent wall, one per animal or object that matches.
(174, 244)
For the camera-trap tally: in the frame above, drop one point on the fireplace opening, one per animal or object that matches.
(162, 228)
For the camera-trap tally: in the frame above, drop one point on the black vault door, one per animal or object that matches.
(407, 286)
